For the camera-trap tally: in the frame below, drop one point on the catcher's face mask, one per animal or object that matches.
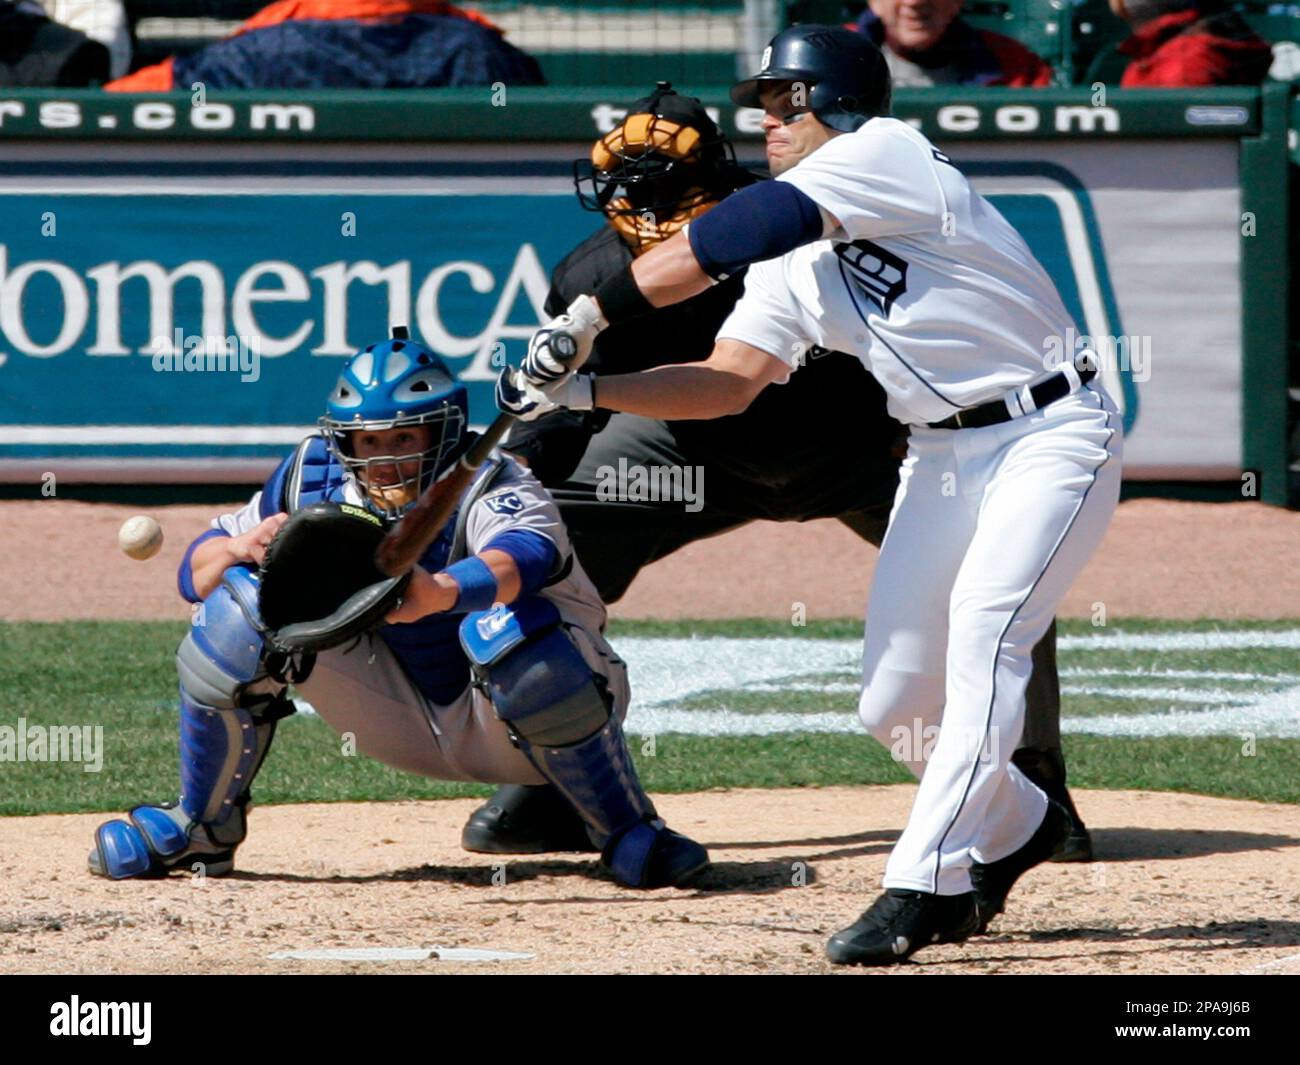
(666, 164)
(395, 420)
(391, 465)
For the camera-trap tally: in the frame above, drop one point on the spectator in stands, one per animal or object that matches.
(925, 42)
(1178, 43)
(101, 20)
(362, 44)
(37, 52)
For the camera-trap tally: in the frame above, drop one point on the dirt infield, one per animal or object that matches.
(1160, 559)
(1184, 885)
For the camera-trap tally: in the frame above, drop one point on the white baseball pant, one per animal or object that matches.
(989, 530)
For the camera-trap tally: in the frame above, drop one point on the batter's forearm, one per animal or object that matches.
(669, 273)
(676, 393)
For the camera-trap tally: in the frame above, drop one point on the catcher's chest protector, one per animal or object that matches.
(312, 475)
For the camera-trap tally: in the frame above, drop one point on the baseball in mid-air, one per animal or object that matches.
(140, 537)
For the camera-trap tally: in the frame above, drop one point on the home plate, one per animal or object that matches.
(400, 954)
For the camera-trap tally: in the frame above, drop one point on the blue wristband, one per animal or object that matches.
(478, 586)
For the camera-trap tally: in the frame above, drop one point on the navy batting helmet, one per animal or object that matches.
(847, 77)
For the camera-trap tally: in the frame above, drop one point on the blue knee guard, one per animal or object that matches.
(225, 732)
(558, 713)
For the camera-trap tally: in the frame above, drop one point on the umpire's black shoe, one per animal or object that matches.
(900, 923)
(525, 820)
(993, 881)
(1046, 768)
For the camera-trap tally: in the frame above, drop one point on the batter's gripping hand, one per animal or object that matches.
(563, 344)
(518, 396)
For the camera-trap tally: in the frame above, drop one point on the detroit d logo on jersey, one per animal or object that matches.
(880, 275)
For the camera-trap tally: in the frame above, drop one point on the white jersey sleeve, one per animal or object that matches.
(240, 521)
(516, 500)
(767, 316)
(879, 181)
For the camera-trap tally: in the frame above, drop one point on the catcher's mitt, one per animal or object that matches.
(319, 584)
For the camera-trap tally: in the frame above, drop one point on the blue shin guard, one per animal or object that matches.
(597, 776)
(558, 712)
(225, 732)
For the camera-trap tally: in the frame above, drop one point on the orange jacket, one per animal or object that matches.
(158, 78)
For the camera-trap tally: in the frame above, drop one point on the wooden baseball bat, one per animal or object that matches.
(410, 538)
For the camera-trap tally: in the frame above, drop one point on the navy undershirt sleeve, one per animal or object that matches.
(760, 222)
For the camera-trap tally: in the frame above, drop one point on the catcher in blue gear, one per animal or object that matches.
(486, 662)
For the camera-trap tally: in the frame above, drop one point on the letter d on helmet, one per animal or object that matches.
(847, 76)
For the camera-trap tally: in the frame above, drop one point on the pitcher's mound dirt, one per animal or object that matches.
(1184, 885)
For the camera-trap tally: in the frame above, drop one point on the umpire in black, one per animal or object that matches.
(802, 450)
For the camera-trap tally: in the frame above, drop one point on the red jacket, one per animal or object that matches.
(1021, 68)
(1191, 48)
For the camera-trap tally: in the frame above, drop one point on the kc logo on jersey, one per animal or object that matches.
(881, 274)
(505, 503)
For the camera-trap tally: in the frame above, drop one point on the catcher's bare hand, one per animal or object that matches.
(425, 594)
(214, 556)
(251, 546)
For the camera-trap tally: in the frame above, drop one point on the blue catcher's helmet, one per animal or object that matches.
(397, 383)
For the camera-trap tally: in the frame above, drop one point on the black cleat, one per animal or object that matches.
(993, 881)
(1046, 768)
(900, 923)
(520, 819)
(1077, 846)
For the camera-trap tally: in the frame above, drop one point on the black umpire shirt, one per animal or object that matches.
(819, 445)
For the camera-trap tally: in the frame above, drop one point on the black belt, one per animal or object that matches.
(995, 411)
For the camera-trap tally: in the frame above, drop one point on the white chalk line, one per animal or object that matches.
(1276, 963)
(1204, 696)
(384, 954)
(1180, 674)
(1236, 640)
(667, 671)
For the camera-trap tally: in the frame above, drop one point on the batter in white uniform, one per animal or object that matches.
(873, 242)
